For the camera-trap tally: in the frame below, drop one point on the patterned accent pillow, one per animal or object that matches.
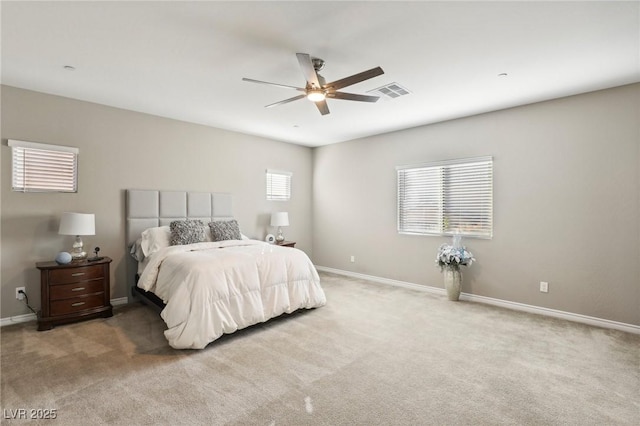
(186, 232)
(225, 230)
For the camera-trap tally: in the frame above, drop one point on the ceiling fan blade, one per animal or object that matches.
(352, 97)
(286, 101)
(353, 79)
(307, 69)
(322, 107)
(250, 80)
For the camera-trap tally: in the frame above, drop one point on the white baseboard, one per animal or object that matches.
(32, 317)
(119, 301)
(584, 319)
(17, 319)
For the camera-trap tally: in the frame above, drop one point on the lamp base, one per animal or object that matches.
(77, 253)
(78, 257)
(280, 237)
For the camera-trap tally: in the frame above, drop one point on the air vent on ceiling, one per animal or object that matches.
(390, 91)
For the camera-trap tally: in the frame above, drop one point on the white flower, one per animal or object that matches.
(453, 256)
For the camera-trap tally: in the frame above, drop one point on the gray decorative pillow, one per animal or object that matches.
(186, 232)
(225, 230)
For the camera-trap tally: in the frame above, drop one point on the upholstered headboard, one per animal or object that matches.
(147, 209)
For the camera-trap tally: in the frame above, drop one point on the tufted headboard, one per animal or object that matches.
(148, 208)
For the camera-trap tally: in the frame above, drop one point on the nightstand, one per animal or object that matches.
(74, 292)
(287, 244)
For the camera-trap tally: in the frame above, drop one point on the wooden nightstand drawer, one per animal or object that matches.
(67, 291)
(68, 306)
(74, 275)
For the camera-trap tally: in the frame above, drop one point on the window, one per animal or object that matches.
(278, 185)
(39, 167)
(447, 197)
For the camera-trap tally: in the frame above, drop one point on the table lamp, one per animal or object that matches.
(280, 219)
(77, 224)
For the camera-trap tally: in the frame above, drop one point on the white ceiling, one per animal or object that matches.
(185, 60)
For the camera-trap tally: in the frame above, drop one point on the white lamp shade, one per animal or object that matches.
(280, 219)
(77, 224)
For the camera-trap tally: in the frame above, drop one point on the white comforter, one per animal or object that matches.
(215, 288)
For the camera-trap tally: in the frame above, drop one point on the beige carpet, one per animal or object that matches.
(375, 355)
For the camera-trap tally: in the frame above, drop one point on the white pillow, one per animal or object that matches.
(207, 234)
(154, 239)
(136, 250)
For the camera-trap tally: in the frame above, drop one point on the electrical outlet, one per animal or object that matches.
(353, 259)
(19, 295)
(544, 286)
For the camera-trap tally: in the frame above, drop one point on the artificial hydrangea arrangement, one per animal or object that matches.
(454, 255)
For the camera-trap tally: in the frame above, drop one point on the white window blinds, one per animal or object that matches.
(39, 167)
(447, 197)
(278, 185)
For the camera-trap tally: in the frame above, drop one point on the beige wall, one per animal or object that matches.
(122, 149)
(567, 195)
(566, 204)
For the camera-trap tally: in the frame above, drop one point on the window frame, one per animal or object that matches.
(278, 191)
(437, 197)
(52, 168)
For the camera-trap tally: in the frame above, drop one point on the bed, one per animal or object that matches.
(205, 278)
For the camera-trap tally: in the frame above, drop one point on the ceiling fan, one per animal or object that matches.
(317, 90)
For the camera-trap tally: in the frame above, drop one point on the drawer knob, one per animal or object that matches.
(77, 304)
(77, 289)
(77, 274)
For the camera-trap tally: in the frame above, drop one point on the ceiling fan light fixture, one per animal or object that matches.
(316, 95)
(317, 90)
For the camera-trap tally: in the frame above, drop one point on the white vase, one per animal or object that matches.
(453, 283)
